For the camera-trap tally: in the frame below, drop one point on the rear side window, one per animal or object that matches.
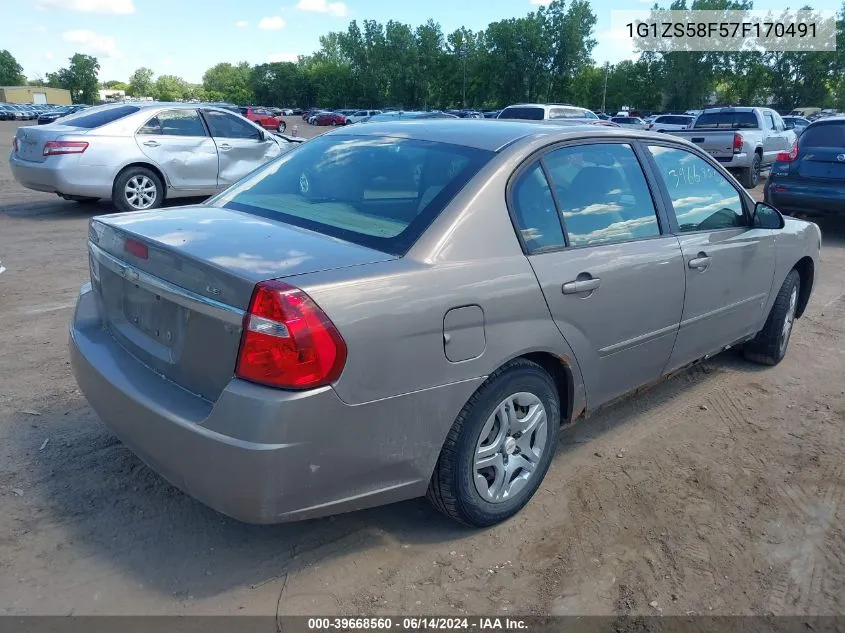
(380, 192)
(570, 113)
(175, 123)
(523, 113)
(603, 194)
(535, 212)
(824, 135)
(702, 198)
(99, 118)
(727, 120)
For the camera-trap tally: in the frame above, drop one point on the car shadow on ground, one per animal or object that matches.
(123, 513)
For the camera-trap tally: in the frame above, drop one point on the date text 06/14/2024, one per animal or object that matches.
(416, 623)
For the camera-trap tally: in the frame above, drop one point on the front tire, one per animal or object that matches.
(769, 346)
(137, 189)
(499, 448)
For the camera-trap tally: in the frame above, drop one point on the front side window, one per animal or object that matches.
(224, 125)
(175, 123)
(603, 194)
(702, 198)
(380, 192)
(535, 213)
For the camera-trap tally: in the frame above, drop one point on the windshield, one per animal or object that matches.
(727, 120)
(380, 192)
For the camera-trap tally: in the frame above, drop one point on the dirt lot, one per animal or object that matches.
(720, 491)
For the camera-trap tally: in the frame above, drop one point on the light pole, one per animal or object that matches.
(462, 52)
(604, 94)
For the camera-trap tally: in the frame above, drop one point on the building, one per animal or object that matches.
(34, 94)
(112, 95)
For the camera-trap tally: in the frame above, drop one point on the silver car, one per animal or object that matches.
(416, 307)
(140, 154)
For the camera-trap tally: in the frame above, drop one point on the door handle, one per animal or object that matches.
(580, 285)
(224, 146)
(700, 262)
(152, 143)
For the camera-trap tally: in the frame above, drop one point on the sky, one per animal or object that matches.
(186, 37)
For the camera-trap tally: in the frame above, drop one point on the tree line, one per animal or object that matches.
(544, 56)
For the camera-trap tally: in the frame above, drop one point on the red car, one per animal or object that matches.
(264, 119)
(330, 118)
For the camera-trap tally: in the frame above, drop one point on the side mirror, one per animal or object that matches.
(767, 217)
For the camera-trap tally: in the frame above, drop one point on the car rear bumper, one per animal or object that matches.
(264, 455)
(807, 199)
(62, 175)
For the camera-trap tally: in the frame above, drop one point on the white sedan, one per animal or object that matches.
(633, 122)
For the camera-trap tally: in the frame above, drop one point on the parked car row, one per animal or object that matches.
(24, 111)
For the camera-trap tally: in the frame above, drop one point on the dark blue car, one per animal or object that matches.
(810, 179)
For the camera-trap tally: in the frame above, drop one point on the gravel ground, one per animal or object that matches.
(719, 491)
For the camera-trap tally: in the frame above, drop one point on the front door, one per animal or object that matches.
(729, 265)
(613, 281)
(241, 146)
(177, 142)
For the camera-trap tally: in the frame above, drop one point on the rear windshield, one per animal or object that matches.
(96, 118)
(526, 114)
(727, 120)
(379, 192)
(824, 135)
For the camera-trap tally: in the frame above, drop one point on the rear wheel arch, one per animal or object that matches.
(149, 166)
(561, 372)
(807, 270)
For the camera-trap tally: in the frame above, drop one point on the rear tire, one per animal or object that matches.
(281, 127)
(769, 346)
(137, 189)
(493, 460)
(750, 176)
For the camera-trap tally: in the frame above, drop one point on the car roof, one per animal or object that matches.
(486, 134)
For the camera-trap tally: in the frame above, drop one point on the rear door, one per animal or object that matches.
(178, 142)
(729, 265)
(613, 280)
(773, 140)
(241, 147)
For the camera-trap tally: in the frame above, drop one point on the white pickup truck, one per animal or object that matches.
(744, 140)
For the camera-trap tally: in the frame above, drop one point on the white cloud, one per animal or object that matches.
(541, 3)
(93, 43)
(282, 57)
(40, 29)
(117, 7)
(272, 23)
(48, 55)
(337, 9)
(241, 24)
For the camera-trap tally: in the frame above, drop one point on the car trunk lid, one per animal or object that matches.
(823, 163)
(32, 139)
(172, 285)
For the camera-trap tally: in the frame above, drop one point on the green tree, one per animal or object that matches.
(114, 84)
(80, 78)
(11, 72)
(141, 83)
(226, 82)
(171, 88)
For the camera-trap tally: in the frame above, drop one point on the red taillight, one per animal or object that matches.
(52, 148)
(737, 143)
(136, 248)
(288, 341)
(788, 157)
